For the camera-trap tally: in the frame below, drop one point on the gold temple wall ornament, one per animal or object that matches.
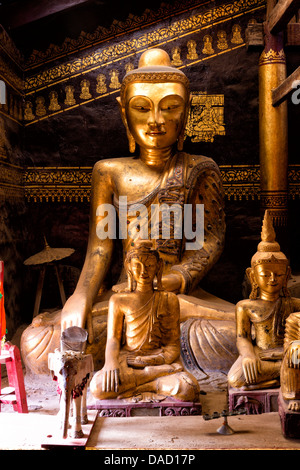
(273, 131)
(114, 80)
(101, 84)
(178, 29)
(206, 117)
(236, 34)
(207, 45)
(129, 66)
(28, 114)
(176, 59)
(192, 50)
(54, 105)
(85, 90)
(70, 99)
(11, 181)
(240, 182)
(222, 40)
(40, 109)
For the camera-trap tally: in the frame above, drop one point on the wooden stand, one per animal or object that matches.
(14, 394)
(124, 408)
(290, 420)
(254, 401)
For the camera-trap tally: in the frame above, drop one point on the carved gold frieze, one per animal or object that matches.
(206, 117)
(11, 182)
(272, 57)
(156, 36)
(73, 183)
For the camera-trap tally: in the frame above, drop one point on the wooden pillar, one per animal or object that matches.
(273, 131)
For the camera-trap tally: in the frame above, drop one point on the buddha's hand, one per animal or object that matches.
(293, 355)
(74, 312)
(251, 368)
(139, 362)
(110, 377)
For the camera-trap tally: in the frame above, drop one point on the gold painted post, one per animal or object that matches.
(273, 130)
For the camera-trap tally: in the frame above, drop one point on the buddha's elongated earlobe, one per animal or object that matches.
(285, 289)
(181, 136)
(180, 141)
(131, 142)
(130, 138)
(254, 287)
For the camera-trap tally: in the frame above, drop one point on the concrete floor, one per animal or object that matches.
(30, 431)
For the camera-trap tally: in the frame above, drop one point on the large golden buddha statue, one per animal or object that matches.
(154, 104)
(261, 319)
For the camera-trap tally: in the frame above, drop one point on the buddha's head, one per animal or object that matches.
(154, 102)
(270, 271)
(143, 265)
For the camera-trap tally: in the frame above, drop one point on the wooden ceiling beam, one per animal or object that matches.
(281, 14)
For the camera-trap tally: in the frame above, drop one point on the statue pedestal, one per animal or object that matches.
(254, 401)
(124, 408)
(290, 420)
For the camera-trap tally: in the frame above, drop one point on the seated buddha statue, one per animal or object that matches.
(154, 104)
(143, 337)
(290, 368)
(261, 319)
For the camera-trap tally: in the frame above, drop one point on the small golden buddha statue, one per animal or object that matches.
(290, 368)
(260, 320)
(143, 337)
(154, 105)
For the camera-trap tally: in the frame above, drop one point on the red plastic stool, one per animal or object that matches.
(15, 394)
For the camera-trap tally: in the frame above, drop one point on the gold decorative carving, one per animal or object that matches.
(101, 85)
(222, 40)
(206, 118)
(129, 66)
(192, 50)
(85, 90)
(73, 183)
(11, 182)
(207, 48)
(276, 202)
(176, 59)
(114, 80)
(272, 57)
(12, 75)
(236, 34)
(54, 105)
(28, 114)
(115, 52)
(69, 100)
(40, 109)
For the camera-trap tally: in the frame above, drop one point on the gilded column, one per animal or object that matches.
(273, 131)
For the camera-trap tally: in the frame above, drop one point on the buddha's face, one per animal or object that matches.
(144, 269)
(156, 113)
(270, 278)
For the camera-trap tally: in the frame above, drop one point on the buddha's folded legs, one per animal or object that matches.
(181, 385)
(212, 342)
